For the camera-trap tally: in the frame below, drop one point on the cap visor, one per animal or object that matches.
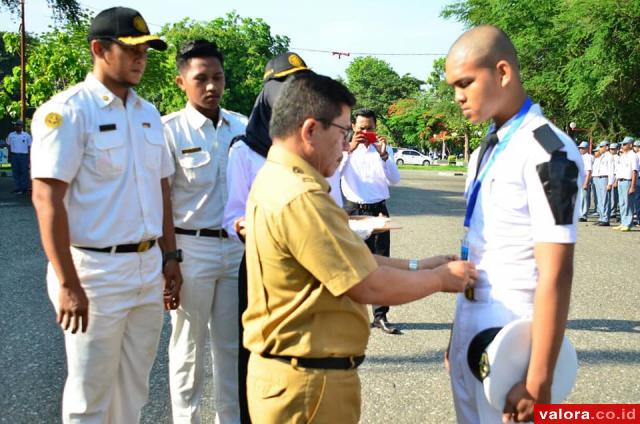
(152, 40)
(290, 71)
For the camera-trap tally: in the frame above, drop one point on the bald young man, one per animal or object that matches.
(521, 229)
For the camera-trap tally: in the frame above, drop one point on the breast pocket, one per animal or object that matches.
(198, 168)
(510, 202)
(153, 147)
(110, 154)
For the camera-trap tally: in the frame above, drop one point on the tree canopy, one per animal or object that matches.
(62, 9)
(60, 58)
(376, 85)
(579, 58)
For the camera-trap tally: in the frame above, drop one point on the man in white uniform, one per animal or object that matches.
(626, 177)
(603, 177)
(100, 167)
(19, 143)
(587, 162)
(636, 203)
(521, 225)
(198, 137)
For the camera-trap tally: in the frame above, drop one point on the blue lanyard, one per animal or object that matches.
(502, 144)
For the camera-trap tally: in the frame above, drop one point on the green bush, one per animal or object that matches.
(452, 159)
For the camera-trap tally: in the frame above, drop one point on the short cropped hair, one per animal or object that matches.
(308, 96)
(197, 48)
(365, 113)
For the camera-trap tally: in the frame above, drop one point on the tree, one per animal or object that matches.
(60, 58)
(62, 9)
(247, 45)
(55, 61)
(376, 85)
(441, 102)
(578, 58)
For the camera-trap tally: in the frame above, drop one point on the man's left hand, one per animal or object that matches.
(381, 145)
(172, 285)
(520, 403)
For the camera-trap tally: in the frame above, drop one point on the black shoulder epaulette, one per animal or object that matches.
(548, 139)
(236, 139)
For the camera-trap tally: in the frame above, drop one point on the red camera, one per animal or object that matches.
(371, 137)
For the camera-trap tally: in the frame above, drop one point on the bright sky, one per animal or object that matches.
(412, 28)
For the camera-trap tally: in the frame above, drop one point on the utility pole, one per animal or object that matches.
(23, 91)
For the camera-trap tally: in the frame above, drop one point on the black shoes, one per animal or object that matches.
(602, 224)
(582, 219)
(385, 325)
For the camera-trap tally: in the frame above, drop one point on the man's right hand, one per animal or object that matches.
(73, 309)
(357, 138)
(456, 276)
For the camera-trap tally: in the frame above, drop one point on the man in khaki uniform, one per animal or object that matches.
(309, 275)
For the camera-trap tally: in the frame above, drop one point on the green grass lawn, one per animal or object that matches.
(441, 168)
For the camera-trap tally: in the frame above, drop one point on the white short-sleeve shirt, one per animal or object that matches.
(512, 213)
(200, 152)
(113, 158)
(587, 162)
(626, 165)
(19, 142)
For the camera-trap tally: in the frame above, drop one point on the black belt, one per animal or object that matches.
(205, 232)
(366, 207)
(600, 176)
(624, 179)
(349, 363)
(143, 246)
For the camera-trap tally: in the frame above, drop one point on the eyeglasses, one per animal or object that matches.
(345, 130)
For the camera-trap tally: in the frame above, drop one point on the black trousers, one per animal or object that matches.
(379, 244)
(243, 354)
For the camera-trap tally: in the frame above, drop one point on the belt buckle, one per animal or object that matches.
(353, 362)
(144, 246)
(469, 294)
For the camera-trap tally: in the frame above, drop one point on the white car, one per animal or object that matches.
(411, 157)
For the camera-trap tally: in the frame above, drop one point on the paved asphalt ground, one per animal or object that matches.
(403, 380)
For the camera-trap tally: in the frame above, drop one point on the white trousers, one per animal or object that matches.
(109, 365)
(491, 310)
(208, 305)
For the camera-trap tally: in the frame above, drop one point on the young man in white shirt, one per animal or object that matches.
(19, 143)
(626, 178)
(198, 137)
(100, 189)
(520, 224)
(587, 161)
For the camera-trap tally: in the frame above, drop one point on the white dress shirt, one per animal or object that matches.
(587, 162)
(512, 212)
(366, 177)
(627, 164)
(200, 152)
(603, 166)
(242, 168)
(19, 142)
(113, 158)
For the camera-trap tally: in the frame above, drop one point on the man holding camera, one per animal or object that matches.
(367, 174)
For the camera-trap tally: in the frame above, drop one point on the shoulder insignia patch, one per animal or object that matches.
(548, 139)
(53, 120)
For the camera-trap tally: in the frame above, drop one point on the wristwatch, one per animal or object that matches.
(413, 264)
(176, 255)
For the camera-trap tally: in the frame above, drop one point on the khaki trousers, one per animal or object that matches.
(281, 393)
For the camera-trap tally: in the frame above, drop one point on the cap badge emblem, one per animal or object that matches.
(140, 24)
(295, 60)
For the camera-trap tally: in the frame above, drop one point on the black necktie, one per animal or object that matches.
(489, 141)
